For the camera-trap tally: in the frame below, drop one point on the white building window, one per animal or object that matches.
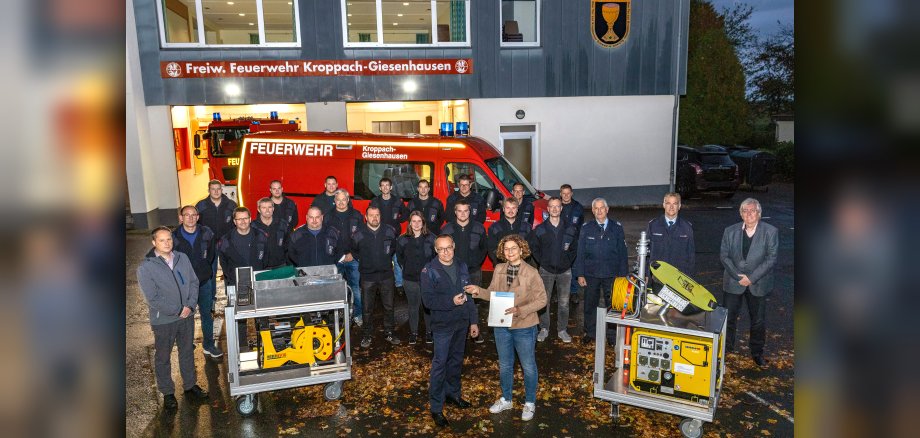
(222, 23)
(520, 23)
(406, 23)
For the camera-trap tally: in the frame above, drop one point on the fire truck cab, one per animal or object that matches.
(220, 144)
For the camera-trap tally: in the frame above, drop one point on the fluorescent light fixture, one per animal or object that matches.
(242, 15)
(399, 15)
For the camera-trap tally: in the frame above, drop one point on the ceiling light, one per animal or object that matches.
(410, 86)
(230, 3)
(395, 24)
(242, 15)
(252, 24)
(406, 4)
(232, 90)
(349, 15)
(399, 15)
(290, 3)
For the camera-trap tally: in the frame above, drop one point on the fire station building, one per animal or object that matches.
(584, 92)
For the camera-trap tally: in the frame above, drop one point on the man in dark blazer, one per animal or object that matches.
(749, 255)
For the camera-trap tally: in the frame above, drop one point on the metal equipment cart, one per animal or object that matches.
(293, 317)
(652, 355)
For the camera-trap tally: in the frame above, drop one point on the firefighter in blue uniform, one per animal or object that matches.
(242, 246)
(277, 231)
(453, 315)
(315, 244)
(671, 237)
(477, 204)
(285, 208)
(199, 244)
(525, 203)
(573, 214)
(510, 223)
(601, 258)
(393, 213)
(432, 208)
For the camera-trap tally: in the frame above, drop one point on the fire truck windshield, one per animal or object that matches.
(226, 142)
(509, 176)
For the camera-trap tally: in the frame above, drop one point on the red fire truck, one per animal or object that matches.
(221, 143)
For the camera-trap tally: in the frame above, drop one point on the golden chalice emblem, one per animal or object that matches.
(610, 12)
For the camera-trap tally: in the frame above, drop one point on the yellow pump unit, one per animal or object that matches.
(307, 343)
(673, 365)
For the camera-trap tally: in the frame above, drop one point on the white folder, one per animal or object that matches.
(498, 303)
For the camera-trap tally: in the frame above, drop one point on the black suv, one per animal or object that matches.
(707, 169)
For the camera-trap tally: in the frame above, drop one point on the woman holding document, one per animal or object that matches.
(520, 284)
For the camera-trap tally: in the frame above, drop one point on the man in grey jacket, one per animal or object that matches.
(749, 255)
(170, 288)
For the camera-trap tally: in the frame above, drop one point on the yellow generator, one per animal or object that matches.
(674, 365)
(281, 344)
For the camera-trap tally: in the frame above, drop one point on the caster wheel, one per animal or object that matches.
(246, 405)
(332, 391)
(691, 428)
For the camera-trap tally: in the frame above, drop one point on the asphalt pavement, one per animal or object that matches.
(388, 394)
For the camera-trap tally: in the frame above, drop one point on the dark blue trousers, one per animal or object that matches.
(446, 366)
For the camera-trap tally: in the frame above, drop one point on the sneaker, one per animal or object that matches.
(214, 351)
(501, 405)
(527, 413)
(564, 335)
(542, 335)
(366, 342)
(413, 338)
(429, 338)
(479, 339)
(391, 338)
(358, 321)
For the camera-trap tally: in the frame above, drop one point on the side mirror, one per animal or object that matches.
(197, 141)
(492, 200)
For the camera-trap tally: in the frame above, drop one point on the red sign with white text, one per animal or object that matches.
(363, 67)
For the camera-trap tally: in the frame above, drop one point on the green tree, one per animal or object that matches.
(773, 76)
(714, 109)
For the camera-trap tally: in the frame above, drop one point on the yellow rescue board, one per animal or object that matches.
(684, 285)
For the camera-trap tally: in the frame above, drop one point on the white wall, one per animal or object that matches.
(589, 142)
(325, 115)
(785, 130)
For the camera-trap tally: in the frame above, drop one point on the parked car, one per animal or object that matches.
(707, 169)
(756, 167)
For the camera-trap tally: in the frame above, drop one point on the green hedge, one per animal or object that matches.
(785, 159)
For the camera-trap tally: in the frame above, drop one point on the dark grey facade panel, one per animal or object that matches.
(568, 63)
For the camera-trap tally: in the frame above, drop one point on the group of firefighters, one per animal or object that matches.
(437, 263)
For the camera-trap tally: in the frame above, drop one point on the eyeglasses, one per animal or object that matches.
(748, 210)
(510, 248)
(444, 249)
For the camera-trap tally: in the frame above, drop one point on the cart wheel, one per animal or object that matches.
(691, 428)
(333, 391)
(246, 405)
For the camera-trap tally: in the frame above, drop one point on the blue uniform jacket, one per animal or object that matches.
(601, 253)
(554, 251)
(674, 246)
(230, 258)
(201, 254)
(438, 296)
(477, 207)
(432, 210)
(392, 212)
(305, 249)
(218, 219)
